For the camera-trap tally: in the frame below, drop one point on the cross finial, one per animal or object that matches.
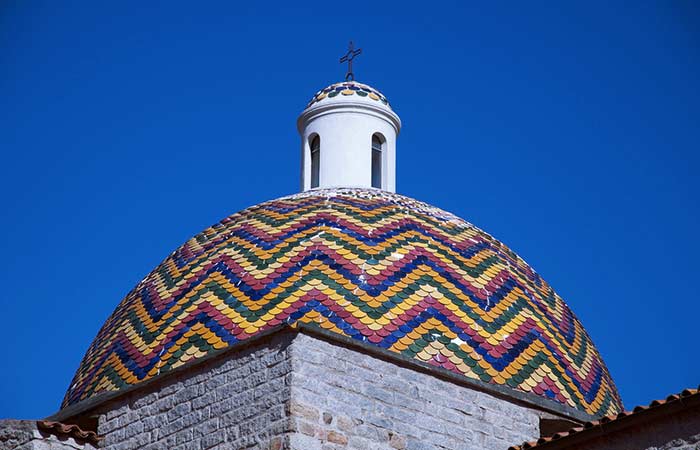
(349, 56)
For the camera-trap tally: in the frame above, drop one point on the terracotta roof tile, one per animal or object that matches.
(74, 431)
(597, 424)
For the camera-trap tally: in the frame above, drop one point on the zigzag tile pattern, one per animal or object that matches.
(378, 267)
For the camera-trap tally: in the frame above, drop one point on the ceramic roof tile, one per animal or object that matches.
(348, 88)
(428, 286)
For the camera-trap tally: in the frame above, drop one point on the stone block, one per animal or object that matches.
(304, 411)
(212, 439)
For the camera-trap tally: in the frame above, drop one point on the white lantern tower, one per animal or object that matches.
(348, 138)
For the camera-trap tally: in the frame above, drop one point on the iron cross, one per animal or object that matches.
(349, 56)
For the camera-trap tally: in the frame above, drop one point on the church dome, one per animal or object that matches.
(351, 90)
(368, 264)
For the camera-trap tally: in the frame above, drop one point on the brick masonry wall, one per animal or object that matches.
(344, 399)
(24, 435)
(297, 391)
(237, 402)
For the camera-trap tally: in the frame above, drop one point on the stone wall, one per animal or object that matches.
(24, 435)
(237, 402)
(296, 391)
(345, 399)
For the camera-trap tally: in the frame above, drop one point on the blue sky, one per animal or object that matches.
(569, 132)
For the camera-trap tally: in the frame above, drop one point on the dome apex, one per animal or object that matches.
(349, 88)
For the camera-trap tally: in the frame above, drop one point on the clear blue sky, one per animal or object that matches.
(571, 133)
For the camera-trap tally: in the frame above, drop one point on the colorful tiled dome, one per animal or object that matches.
(378, 267)
(349, 88)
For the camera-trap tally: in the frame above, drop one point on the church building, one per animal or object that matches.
(347, 316)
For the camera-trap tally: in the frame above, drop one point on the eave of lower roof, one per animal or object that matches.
(687, 399)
